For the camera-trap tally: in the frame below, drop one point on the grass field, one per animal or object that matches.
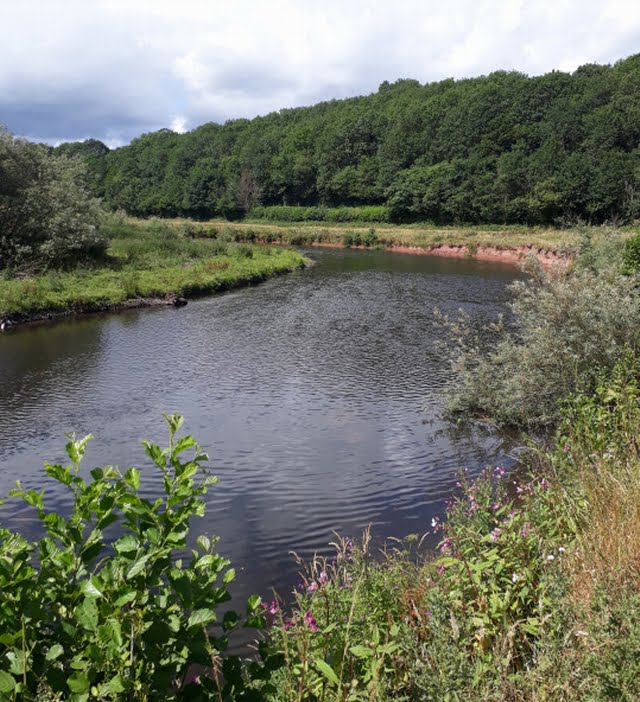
(145, 260)
(561, 241)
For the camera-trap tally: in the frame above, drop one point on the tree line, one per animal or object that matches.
(501, 148)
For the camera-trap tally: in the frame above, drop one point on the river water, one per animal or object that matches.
(317, 396)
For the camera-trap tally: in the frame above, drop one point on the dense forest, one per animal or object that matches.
(501, 148)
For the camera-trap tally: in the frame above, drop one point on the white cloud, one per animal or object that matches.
(179, 124)
(79, 69)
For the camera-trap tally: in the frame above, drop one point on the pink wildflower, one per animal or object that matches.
(310, 621)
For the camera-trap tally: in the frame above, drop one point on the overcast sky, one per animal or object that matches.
(113, 69)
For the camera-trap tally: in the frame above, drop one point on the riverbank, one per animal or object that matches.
(509, 244)
(147, 265)
(532, 594)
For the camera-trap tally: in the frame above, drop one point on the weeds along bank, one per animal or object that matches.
(532, 594)
(144, 263)
(511, 244)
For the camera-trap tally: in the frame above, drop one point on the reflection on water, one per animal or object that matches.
(317, 396)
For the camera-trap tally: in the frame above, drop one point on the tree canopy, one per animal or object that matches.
(501, 148)
(47, 215)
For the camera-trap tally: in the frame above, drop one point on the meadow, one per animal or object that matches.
(147, 261)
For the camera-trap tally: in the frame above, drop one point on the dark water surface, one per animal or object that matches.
(316, 395)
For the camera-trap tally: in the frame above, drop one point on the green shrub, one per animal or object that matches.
(569, 327)
(288, 213)
(80, 618)
(47, 218)
(631, 255)
(370, 238)
(243, 251)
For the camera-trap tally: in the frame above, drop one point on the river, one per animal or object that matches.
(317, 396)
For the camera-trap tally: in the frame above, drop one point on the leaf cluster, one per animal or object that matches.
(111, 604)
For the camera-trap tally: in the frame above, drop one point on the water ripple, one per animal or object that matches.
(316, 395)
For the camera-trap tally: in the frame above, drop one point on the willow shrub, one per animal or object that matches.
(109, 604)
(569, 326)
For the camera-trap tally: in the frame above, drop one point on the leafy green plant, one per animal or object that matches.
(631, 255)
(569, 326)
(338, 639)
(109, 604)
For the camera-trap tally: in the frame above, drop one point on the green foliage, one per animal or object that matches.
(570, 325)
(339, 639)
(465, 625)
(501, 148)
(275, 213)
(631, 255)
(113, 606)
(149, 260)
(47, 217)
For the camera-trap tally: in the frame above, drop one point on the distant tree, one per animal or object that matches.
(249, 192)
(47, 216)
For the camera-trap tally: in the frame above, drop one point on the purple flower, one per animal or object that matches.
(323, 577)
(445, 546)
(440, 569)
(348, 548)
(524, 531)
(270, 610)
(310, 621)
(495, 534)
(312, 587)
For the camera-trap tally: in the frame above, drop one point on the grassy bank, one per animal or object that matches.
(565, 242)
(144, 260)
(534, 593)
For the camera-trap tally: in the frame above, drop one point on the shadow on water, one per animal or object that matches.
(317, 395)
